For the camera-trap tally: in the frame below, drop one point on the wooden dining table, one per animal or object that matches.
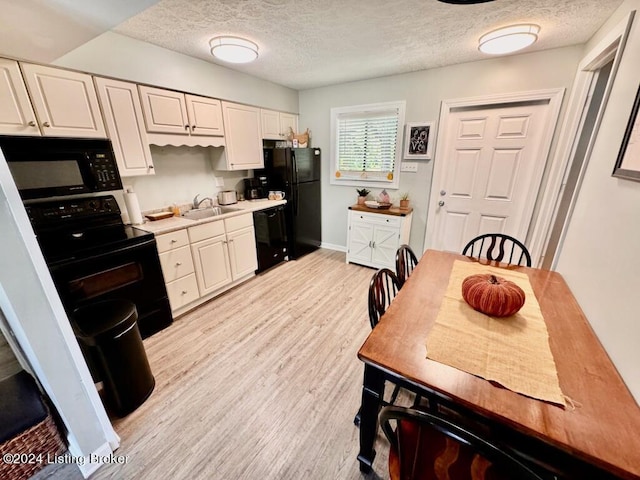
(596, 436)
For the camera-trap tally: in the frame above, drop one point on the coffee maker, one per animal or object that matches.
(256, 187)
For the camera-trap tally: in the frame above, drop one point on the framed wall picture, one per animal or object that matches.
(418, 143)
(628, 162)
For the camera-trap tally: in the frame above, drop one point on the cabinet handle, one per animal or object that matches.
(178, 264)
(186, 127)
(32, 123)
(173, 240)
(193, 127)
(373, 245)
(46, 124)
(150, 167)
(183, 292)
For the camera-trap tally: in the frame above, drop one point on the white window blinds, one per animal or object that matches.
(367, 141)
(366, 144)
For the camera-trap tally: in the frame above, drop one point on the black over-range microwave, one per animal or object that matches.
(45, 167)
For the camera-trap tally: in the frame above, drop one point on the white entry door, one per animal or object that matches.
(490, 161)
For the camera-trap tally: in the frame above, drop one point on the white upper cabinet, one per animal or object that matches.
(205, 115)
(16, 115)
(165, 111)
(65, 102)
(275, 125)
(125, 126)
(243, 139)
(175, 118)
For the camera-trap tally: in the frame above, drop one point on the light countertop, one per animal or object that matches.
(167, 225)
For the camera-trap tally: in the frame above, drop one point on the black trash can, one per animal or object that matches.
(108, 329)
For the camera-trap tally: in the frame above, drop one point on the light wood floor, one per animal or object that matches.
(260, 383)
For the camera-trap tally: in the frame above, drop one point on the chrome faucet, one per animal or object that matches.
(197, 203)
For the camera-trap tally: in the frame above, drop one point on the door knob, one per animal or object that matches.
(441, 203)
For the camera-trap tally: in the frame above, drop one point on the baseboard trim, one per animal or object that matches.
(331, 246)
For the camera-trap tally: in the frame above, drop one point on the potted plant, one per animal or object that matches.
(404, 200)
(362, 195)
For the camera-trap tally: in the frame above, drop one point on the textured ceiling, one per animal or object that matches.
(310, 43)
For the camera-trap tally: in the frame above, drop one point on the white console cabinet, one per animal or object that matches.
(375, 235)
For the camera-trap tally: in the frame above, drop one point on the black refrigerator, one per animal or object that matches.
(296, 171)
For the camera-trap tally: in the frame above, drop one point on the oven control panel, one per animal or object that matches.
(81, 208)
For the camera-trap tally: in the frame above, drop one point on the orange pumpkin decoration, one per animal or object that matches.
(491, 295)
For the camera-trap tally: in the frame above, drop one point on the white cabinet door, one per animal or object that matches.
(243, 137)
(205, 115)
(182, 292)
(165, 111)
(385, 243)
(360, 242)
(176, 263)
(16, 114)
(276, 125)
(65, 102)
(125, 126)
(242, 252)
(211, 262)
(270, 121)
(288, 121)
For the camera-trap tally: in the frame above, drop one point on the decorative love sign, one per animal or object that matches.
(492, 295)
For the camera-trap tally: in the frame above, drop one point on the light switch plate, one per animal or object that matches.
(409, 167)
(219, 181)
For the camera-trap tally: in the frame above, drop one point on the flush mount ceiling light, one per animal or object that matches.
(508, 39)
(233, 49)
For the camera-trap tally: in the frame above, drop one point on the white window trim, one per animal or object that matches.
(361, 182)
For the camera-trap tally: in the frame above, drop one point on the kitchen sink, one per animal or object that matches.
(200, 213)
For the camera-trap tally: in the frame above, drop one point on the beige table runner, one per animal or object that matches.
(512, 351)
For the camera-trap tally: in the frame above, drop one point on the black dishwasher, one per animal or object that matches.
(271, 237)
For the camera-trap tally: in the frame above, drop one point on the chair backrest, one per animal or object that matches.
(406, 261)
(383, 288)
(424, 443)
(498, 247)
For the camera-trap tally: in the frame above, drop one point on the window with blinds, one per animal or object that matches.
(366, 144)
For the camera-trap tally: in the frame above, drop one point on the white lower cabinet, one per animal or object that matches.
(241, 239)
(211, 260)
(374, 238)
(177, 268)
(203, 261)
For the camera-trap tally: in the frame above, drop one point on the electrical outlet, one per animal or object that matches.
(409, 167)
(219, 181)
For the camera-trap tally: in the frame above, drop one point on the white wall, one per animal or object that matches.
(599, 258)
(122, 57)
(181, 174)
(423, 92)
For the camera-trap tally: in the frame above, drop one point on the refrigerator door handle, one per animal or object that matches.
(294, 163)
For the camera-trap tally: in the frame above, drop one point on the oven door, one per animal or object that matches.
(131, 272)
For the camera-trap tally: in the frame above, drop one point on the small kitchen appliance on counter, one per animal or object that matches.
(256, 188)
(227, 197)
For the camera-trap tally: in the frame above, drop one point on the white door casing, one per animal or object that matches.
(490, 157)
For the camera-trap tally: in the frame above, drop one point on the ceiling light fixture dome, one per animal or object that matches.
(233, 49)
(508, 39)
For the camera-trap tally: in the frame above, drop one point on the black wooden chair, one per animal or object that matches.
(383, 288)
(498, 247)
(406, 261)
(422, 444)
